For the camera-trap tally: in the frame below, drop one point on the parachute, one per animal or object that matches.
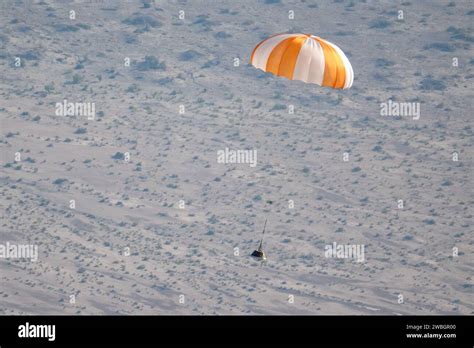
(304, 57)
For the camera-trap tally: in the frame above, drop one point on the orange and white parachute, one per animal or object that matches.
(304, 57)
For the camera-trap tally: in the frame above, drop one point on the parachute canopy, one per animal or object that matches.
(304, 57)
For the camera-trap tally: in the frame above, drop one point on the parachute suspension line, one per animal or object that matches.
(263, 233)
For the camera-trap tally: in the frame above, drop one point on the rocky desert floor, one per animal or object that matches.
(131, 211)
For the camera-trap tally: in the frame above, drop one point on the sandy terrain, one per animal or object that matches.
(129, 246)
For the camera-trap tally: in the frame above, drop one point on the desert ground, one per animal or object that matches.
(131, 211)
